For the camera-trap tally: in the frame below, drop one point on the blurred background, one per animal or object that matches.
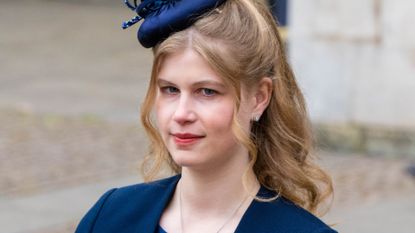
(71, 83)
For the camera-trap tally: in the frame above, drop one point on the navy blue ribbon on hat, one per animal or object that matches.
(163, 17)
(144, 9)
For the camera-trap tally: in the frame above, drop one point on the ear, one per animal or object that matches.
(262, 97)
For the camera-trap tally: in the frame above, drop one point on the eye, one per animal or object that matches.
(170, 90)
(208, 92)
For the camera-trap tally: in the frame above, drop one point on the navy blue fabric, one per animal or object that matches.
(169, 16)
(138, 208)
(279, 9)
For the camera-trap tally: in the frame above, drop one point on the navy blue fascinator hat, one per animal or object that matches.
(164, 17)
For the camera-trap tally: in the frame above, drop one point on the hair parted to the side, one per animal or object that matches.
(240, 41)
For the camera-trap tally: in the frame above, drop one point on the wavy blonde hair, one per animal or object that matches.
(240, 41)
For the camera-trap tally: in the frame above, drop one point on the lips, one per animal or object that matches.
(184, 139)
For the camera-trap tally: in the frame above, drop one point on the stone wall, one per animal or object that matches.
(355, 61)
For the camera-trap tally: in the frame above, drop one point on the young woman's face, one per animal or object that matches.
(194, 112)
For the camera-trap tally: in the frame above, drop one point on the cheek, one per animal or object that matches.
(218, 119)
(162, 113)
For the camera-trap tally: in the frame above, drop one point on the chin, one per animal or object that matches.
(186, 159)
(184, 162)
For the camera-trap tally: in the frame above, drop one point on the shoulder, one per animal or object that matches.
(296, 219)
(140, 195)
(282, 215)
(142, 190)
(120, 207)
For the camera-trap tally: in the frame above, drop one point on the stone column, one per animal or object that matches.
(355, 61)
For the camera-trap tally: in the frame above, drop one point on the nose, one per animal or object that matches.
(184, 112)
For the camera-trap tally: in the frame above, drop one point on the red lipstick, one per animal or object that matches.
(185, 139)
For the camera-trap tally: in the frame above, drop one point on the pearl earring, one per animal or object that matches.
(256, 118)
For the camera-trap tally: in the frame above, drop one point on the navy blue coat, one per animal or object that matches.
(138, 208)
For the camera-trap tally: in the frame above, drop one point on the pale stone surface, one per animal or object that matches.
(334, 19)
(300, 18)
(385, 85)
(322, 68)
(398, 24)
(356, 60)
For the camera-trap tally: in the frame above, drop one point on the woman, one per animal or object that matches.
(230, 122)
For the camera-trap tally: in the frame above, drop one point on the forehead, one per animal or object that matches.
(186, 66)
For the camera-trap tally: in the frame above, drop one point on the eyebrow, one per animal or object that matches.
(199, 83)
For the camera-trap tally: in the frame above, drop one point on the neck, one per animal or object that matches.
(221, 189)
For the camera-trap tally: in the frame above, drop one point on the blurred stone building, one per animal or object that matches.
(355, 61)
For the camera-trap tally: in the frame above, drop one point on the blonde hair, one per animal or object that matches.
(240, 41)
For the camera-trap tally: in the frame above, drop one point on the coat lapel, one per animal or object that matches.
(260, 216)
(157, 202)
